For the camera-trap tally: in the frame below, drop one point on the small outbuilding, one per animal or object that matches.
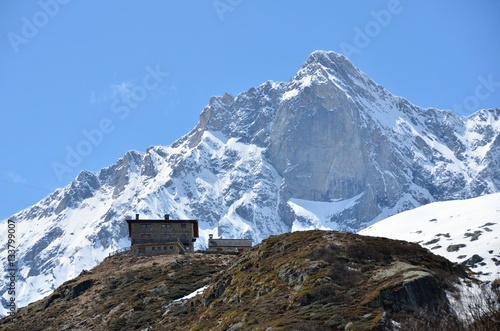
(228, 245)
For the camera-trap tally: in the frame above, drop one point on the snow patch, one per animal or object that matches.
(318, 214)
(474, 223)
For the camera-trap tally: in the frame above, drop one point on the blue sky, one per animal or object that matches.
(82, 82)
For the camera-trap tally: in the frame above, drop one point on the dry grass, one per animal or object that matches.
(126, 292)
(311, 280)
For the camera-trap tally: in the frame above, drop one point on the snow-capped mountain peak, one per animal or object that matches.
(328, 149)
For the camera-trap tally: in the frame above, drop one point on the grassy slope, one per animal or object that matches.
(313, 280)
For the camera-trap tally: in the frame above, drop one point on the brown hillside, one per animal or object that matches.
(313, 280)
(124, 292)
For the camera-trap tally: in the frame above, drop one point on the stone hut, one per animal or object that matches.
(228, 245)
(162, 236)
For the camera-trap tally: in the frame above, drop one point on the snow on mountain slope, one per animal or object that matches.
(457, 230)
(328, 149)
(76, 227)
(317, 215)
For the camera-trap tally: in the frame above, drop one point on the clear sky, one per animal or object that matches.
(82, 82)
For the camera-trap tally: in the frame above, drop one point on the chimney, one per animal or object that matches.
(210, 236)
(137, 216)
(167, 217)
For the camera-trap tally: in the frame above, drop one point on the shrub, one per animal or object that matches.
(345, 276)
(328, 253)
(362, 252)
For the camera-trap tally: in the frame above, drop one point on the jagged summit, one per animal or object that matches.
(323, 67)
(335, 63)
(326, 57)
(328, 149)
(332, 66)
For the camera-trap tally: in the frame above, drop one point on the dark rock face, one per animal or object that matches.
(69, 292)
(423, 291)
(472, 261)
(320, 156)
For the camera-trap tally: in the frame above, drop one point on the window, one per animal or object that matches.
(171, 247)
(142, 250)
(145, 225)
(166, 225)
(183, 225)
(153, 248)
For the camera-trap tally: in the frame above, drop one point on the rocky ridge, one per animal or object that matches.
(316, 280)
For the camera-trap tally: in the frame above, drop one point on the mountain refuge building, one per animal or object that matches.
(162, 236)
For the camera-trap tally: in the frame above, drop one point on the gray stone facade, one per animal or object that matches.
(229, 245)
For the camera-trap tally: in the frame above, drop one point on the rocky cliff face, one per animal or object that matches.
(328, 149)
(333, 134)
(315, 280)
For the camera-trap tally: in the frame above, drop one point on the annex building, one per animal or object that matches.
(228, 245)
